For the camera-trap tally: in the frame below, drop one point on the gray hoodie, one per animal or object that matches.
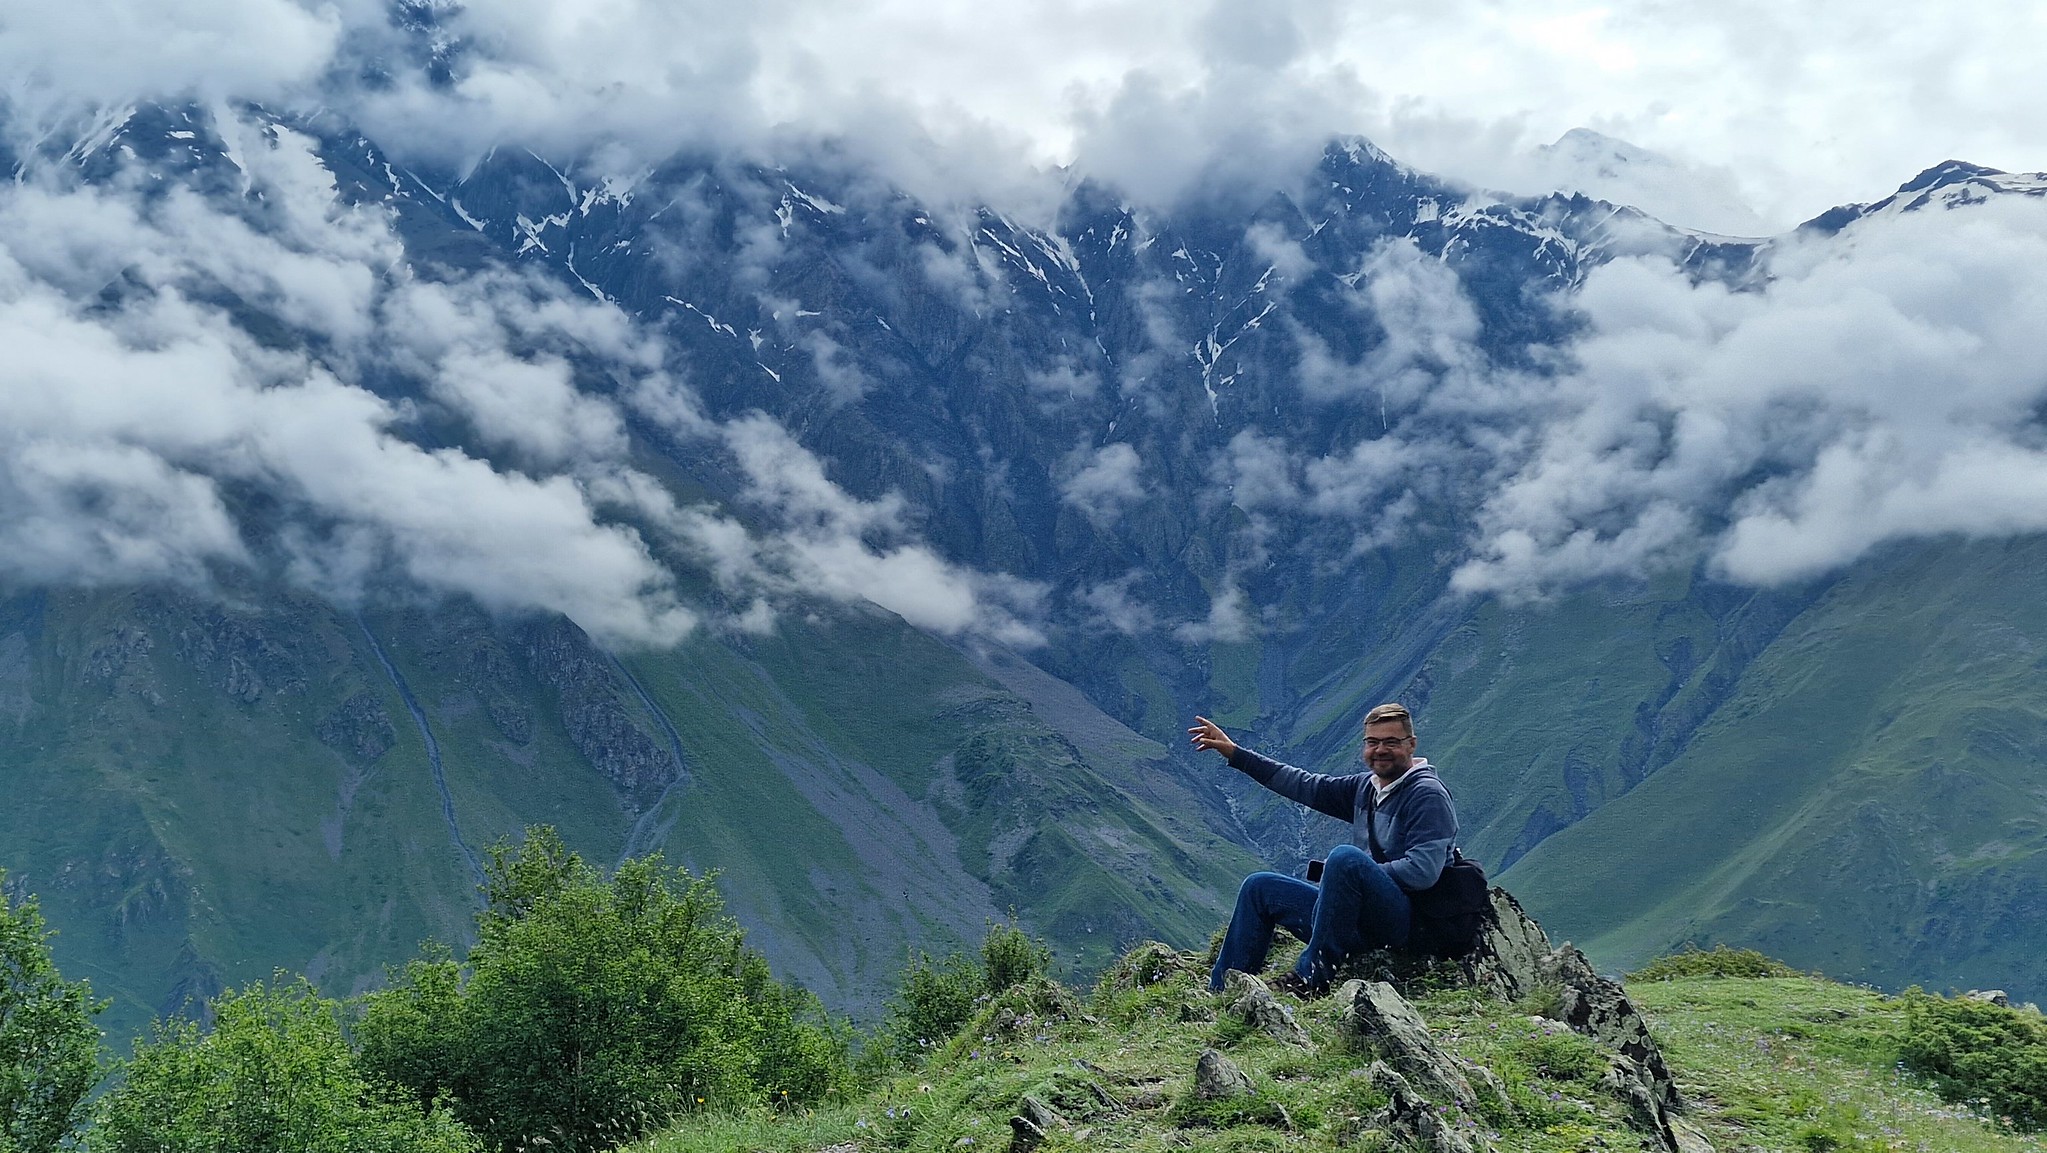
(1416, 825)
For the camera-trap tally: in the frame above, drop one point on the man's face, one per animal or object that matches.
(1389, 750)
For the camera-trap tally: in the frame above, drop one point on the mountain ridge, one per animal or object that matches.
(1164, 454)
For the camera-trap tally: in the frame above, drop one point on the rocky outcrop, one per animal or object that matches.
(1514, 960)
(1600, 1009)
(1034, 1121)
(358, 728)
(1513, 956)
(239, 657)
(1647, 1111)
(1374, 1016)
(592, 700)
(1250, 1002)
(1410, 1120)
(1217, 1077)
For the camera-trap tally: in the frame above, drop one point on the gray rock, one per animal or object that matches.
(1626, 1081)
(1409, 1119)
(1513, 956)
(1647, 1112)
(1033, 1121)
(1378, 1018)
(1489, 1088)
(1217, 1077)
(598, 710)
(358, 728)
(1689, 1139)
(1247, 999)
(1600, 1009)
(1995, 997)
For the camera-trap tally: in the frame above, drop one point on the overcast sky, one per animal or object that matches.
(1769, 112)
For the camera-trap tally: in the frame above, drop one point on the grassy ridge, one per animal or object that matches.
(1781, 1063)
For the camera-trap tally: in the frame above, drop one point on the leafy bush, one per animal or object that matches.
(1719, 961)
(593, 1009)
(274, 1076)
(934, 999)
(49, 1049)
(1980, 1053)
(1010, 957)
(937, 997)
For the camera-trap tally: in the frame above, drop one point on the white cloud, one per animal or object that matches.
(827, 542)
(1881, 386)
(1259, 471)
(1104, 482)
(1228, 620)
(128, 421)
(1779, 112)
(1288, 260)
(60, 58)
(1117, 605)
(1064, 381)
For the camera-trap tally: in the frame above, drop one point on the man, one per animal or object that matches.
(1362, 903)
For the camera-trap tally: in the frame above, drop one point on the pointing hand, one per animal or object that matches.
(1206, 734)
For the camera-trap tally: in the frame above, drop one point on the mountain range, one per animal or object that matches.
(955, 518)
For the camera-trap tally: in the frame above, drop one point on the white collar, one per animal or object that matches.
(1381, 791)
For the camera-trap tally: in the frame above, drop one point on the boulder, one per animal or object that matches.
(1217, 1077)
(1651, 1116)
(1033, 1121)
(1379, 1019)
(1512, 959)
(1410, 1120)
(1995, 997)
(1600, 1009)
(1247, 999)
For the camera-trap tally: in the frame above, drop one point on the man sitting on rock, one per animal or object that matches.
(1362, 903)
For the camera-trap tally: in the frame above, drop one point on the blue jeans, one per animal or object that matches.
(1357, 907)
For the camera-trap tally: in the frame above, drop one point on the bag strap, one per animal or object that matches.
(1372, 831)
(1371, 821)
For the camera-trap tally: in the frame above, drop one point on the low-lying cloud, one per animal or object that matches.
(143, 414)
(1880, 386)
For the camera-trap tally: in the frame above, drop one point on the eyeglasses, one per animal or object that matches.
(1386, 742)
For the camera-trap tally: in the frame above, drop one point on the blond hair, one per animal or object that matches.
(1391, 713)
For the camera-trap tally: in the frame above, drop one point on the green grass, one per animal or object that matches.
(1805, 1063)
(1781, 1063)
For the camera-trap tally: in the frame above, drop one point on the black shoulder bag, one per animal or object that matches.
(1448, 915)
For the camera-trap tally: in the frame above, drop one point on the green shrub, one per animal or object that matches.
(273, 1076)
(1719, 961)
(1009, 957)
(593, 1009)
(934, 999)
(49, 1049)
(1976, 1052)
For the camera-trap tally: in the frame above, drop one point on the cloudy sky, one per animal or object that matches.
(1766, 113)
(1882, 387)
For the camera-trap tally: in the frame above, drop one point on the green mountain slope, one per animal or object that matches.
(202, 792)
(1867, 800)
